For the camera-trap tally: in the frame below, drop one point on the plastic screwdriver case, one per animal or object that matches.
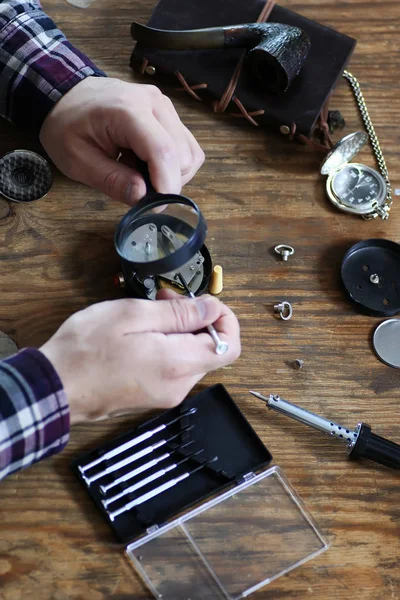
(231, 528)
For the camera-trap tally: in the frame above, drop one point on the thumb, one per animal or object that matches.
(115, 179)
(178, 315)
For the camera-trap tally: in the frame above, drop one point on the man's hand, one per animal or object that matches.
(100, 117)
(128, 355)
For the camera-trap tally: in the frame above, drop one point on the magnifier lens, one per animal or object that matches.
(153, 235)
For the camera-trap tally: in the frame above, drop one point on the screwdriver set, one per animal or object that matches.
(192, 484)
(170, 462)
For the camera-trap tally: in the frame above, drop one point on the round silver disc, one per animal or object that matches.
(386, 342)
(343, 151)
(7, 346)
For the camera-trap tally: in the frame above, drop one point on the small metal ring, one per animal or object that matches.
(284, 309)
(284, 250)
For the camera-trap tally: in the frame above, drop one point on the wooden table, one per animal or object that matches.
(256, 190)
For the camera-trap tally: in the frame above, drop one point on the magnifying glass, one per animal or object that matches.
(161, 244)
(161, 233)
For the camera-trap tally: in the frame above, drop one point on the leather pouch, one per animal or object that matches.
(219, 78)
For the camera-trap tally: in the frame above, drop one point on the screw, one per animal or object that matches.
(149, 284)
(374, 278)
(298, 364)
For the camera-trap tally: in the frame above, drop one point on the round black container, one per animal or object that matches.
(371, 276)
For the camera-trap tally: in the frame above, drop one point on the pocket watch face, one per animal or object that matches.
(357, 188)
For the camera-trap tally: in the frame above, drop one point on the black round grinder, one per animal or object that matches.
(371, 276)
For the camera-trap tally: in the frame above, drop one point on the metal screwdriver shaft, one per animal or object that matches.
(132, 458)
(220, 346)
(361, 442)
(149, 465)
(158, 490)
(137, 440)
(147, 480)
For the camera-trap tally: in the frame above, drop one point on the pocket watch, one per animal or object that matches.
(354, 187)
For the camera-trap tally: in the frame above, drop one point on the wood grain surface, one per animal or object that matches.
(256, 190)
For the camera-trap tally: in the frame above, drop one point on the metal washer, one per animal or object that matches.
(386, 342)
(24, 176)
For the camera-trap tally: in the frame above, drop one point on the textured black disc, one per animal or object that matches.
(371, 277)
(24, 176)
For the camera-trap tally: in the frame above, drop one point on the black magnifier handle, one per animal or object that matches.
(130, 159)
(143, 169)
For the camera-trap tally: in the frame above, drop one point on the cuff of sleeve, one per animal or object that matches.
(37, 67)
(37, 413)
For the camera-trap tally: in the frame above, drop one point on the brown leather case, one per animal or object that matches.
(206, 74)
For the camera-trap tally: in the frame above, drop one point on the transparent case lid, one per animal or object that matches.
(230, 546)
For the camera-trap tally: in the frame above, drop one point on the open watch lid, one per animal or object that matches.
(343, 152)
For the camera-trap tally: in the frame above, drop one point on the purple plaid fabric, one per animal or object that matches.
(34, 413)
(37, 64)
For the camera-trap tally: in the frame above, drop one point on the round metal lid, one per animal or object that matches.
(24, 176)
(386, 342)
(343, 151)
(371, 276)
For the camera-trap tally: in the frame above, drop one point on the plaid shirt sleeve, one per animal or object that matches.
(37, 63)
(34, 414)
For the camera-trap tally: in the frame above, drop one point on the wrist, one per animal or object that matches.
(62, 371)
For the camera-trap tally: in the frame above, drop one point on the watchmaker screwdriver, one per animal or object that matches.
(149, 479)
(361, 442)
(220, 346)
(158, 490)
(152, 463)
(133, 457)
(137, 440)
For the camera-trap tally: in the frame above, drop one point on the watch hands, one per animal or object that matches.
(360, 175)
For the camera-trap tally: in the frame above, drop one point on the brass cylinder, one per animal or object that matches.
(216, 283)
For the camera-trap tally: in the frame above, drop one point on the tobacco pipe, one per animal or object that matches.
(276, 52)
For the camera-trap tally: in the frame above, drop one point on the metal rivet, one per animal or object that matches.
(149, 284)
(284, 129)
(374, 278)
(298, 364)
(284, 250)
(149, 70)
(119, 280)
(284, 310)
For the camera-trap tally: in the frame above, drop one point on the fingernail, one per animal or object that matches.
(128, 194)
(205, 306)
